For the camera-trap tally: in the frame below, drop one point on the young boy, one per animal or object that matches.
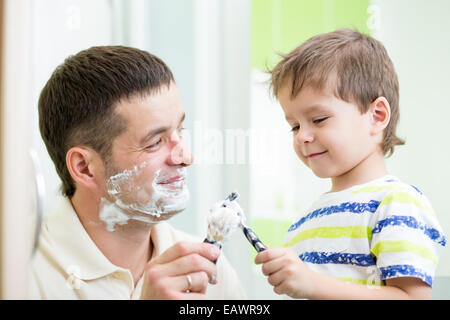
(339, 93)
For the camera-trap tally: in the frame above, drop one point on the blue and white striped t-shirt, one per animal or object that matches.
(369, 233)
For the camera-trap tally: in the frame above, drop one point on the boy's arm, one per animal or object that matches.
(326, 287)
(289, 275)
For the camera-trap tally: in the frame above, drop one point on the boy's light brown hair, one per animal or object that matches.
(362, 68)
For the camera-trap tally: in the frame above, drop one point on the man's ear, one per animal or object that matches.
(83, 166)
(380, 111)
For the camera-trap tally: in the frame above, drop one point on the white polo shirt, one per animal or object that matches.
(68, 264)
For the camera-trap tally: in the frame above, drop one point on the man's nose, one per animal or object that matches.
(180, 154)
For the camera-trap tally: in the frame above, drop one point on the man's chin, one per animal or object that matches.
(155, 217)
(169, 215)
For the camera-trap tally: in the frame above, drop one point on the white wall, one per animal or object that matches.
(39, 36)
(59, 29)
(416, 35)
(16, 180)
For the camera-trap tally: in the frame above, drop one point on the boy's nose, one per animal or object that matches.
(304, 136)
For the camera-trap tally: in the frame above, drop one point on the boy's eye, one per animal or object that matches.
(320, 120)
(295, 128)
(180, 130)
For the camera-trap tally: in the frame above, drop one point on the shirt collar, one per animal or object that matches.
(76, 251)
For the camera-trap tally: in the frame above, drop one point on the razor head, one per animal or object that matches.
(232, 196)
(230, 202)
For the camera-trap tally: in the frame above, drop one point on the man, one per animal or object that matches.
(111, 119)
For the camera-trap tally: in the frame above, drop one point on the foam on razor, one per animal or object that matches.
(222, 221)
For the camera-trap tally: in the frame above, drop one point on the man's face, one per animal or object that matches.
(146, 175)
(331, 136)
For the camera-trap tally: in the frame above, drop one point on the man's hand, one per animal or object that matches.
(286, 272)
(181, 272)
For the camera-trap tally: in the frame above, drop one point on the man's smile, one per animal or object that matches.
(177, 178)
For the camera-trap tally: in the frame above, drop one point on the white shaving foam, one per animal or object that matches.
(130, 195)
(222, 221)
(112, 215)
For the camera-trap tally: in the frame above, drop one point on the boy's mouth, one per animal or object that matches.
(315, 155)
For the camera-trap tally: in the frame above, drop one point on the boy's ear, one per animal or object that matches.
(82, 165)
(380, 111)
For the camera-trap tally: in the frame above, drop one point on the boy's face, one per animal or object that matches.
(331, 136)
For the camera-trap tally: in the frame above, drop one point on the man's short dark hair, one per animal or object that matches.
(77, 105)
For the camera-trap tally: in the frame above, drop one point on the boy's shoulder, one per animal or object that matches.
(389, 187)
(392, 190)
(373, 192)
(392, 194)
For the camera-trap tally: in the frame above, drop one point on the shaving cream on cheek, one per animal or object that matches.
(111, 215)
(170, 192)
(131, 191)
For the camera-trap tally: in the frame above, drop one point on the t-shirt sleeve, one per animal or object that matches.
(407, 237)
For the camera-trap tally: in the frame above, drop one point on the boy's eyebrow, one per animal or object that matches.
(315, 107)
(288, 118)
(310, 109)
(159, 130)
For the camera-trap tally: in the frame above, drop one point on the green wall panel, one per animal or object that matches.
(278, 26)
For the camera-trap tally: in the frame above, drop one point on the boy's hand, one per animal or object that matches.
(286, 272)
(181, 272)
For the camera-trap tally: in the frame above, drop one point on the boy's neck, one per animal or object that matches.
(370, 168)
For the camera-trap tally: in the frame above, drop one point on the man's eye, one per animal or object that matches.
(180, 130)
(295, 128)
(320, 120)
(153, 146)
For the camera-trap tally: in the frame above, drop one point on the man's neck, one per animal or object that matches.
(128, 246)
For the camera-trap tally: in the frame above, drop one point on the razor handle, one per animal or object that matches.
(253, 239)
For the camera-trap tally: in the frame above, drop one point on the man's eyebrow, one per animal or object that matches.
(159, 130)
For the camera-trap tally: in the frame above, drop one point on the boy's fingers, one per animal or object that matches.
(276, 279)
(261, 257)
(272, 267)
(268, 255)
